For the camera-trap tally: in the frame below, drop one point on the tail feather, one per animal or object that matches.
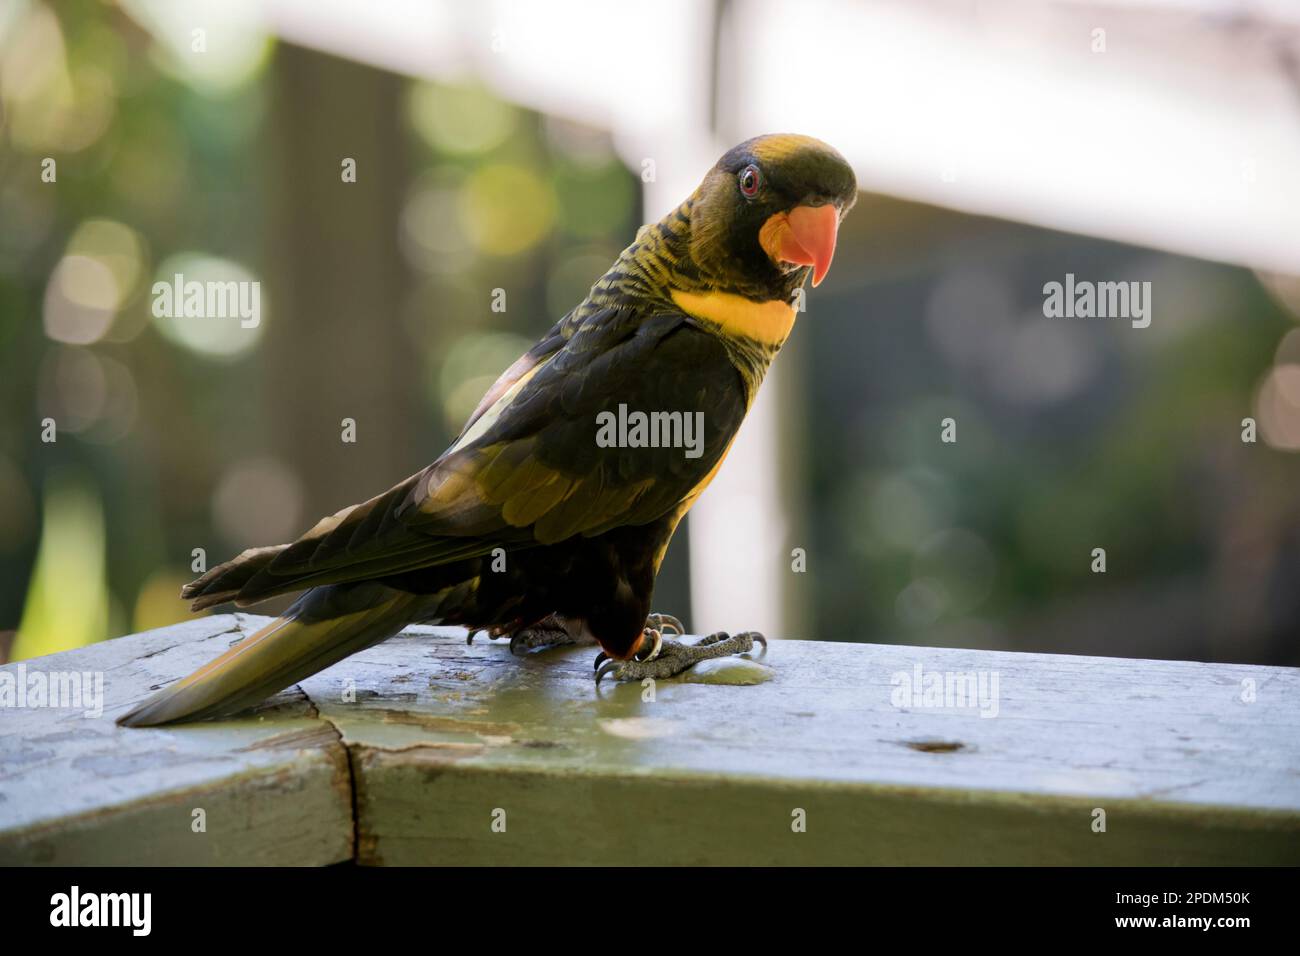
(223, 583)
(324, 626)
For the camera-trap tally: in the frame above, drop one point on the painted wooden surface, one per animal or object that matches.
(273, 787)
(464, 755)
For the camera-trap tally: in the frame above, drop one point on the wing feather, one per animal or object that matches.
(526, 470)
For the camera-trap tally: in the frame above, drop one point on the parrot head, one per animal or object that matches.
(767, 214)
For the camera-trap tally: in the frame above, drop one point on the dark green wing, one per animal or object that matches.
(527, 470)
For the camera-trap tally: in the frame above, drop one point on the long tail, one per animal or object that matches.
(323, 626)
(223, 583)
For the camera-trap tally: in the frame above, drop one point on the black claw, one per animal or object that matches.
(469, 638)
(663, 621)
(609, 666)
(637, 656)
(600, 658)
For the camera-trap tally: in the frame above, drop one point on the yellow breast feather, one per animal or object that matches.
(768, 323)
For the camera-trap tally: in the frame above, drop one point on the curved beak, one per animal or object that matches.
(805, 236)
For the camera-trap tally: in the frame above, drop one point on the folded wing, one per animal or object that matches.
(527, 470)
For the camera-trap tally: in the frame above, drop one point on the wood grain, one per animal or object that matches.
(274, 787)
(440, 753)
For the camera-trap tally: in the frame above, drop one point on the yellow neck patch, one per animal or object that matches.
(768, 323)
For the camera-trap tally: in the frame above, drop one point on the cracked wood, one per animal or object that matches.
(415, 743)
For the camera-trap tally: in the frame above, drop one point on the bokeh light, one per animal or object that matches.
(57, 616)
(258, 501)
(1277, 407)
(1046, 360)
(214, 336)
(921, 603)
(470, 367)
(506, 208)
(74, 387)
(1288, 349)
(50, 106)
(117, 246)
(459, 121)
(431, 237)
(584, 146)
(235, 42)
(80, 300)
(159, 603)
(89, 394)
(1285, 290)
(908, 506)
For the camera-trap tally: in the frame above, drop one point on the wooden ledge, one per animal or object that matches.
(426, 750)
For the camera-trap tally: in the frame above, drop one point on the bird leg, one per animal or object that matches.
(673, 657)
(550, 631)
(556, 631)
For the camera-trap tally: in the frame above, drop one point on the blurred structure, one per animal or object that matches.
(516, 147)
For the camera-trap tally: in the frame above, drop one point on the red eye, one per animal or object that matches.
(749, 181)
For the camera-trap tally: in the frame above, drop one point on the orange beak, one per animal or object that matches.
(805, 236)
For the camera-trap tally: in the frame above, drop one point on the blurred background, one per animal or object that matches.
(517, 146)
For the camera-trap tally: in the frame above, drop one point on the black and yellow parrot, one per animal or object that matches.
(528, 526)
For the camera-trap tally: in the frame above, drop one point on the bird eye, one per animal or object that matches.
(749, 181)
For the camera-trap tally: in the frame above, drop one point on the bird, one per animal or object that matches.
(543, 522)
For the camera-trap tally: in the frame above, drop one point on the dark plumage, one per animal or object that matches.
(686, 320)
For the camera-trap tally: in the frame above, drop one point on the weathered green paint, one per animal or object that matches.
(444, 738)
(274, 787)
(443, 735)
(426, 807)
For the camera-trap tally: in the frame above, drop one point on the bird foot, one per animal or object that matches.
(554, 631)
(550, 631)
(492, 632)
(655, 625)
(532, 638)
(673, 657)
(662, 622)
